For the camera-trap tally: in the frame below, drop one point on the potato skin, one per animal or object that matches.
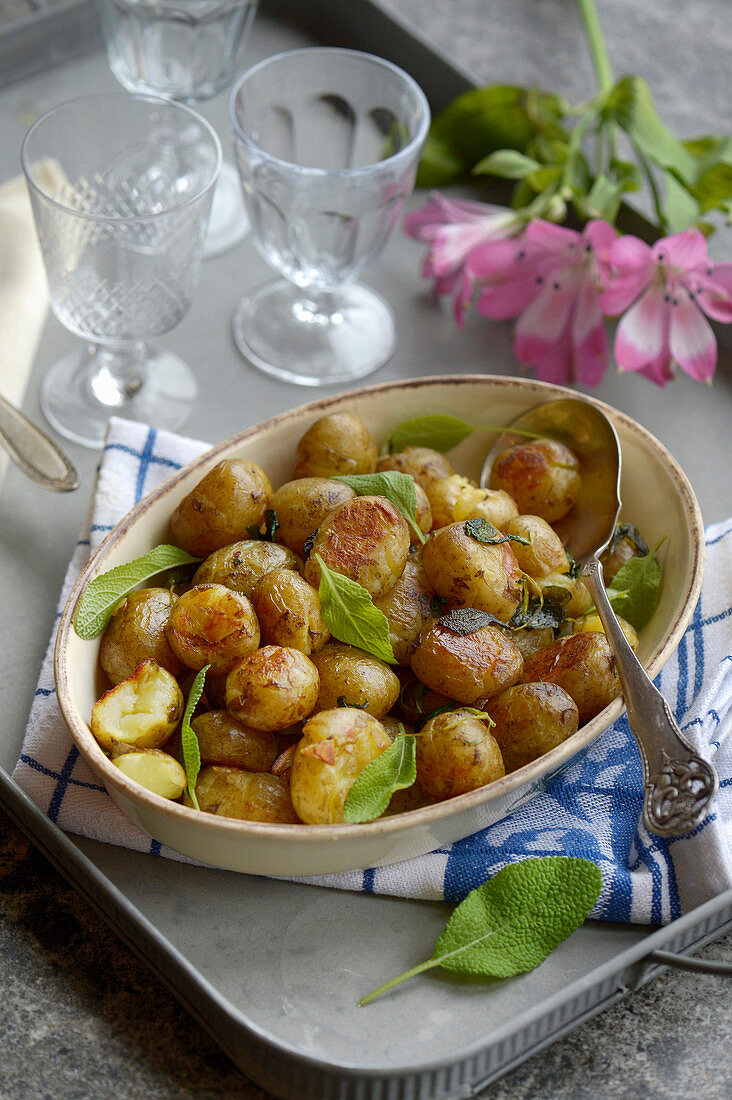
(570, 592)
(288, 609)
(339, 443)
(582, 664)
(362, 680)
(456, 753)
(118, 719)
(542, 476)
(223, 740)
(407, 607)
(469, 573)
(247, 796)
(469, 668)
(136, 633)
(424, 464)
(242, 565)
(232, 496)
(335, 748)
(545, 552)
(272, 688)
(212, 625)
(531, 719)
(303, 504)
(366, 539)
(456, 498)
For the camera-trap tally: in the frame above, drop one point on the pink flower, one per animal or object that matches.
(551, 278)
(456, 231)
(675, 285)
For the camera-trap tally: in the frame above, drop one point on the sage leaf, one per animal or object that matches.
(511, 923)
(482, 530)
(188, 739)
(538, 613)
(441, 432)
(102, 594)
(351, 615)
(636, 588)
(393, 770)
(466, 620)
(398, 488)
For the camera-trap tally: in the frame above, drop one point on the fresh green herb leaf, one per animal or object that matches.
(102, 594)
(341, 701)
(466, 620)
(509, 164)
(482, 530)
(680, 207)
(188, 739)
(511, 923)
(632, 106)
(398, 488)
(574, 567)
(351, 615)
(538, 613)
(271, 527)
(307, 547)
(636, 588)
(394, 770)
(441, 432)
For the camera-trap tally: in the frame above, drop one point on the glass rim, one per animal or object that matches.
(323, 173)
(129, 218)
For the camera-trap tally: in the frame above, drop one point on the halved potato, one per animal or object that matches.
(142, 710)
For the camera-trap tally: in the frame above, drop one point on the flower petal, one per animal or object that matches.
(628, 254)
(555, 365)
(641, 333)
(715, 291)
(660, 370)
(691, 340)
(685, 250)
(550, 237)
(621, 291)
(507, 298)
(589, 338)
(543, 322)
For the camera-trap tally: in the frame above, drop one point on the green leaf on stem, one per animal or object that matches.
(509, 164)
(603, 200)
(394, 770)
(510, 924)
(351, 615)
(188, 739)
(635, 589)
(631, 104)
(679, 205)
(398, 488)
(442, 432)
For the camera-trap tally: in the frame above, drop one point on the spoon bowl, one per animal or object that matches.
(679, 785)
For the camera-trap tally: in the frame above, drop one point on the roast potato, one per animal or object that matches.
(423, 463)
(136, 633)
(542, 476)
(469, 573)
(456, 498)
(272, 688)
(531, 719)
(456, 752)
(223, 740)
(582, 664)
(303, 504)
(339, 443)
(571, 593)
(545, 551)
(232, 496)
(355, 677)
(212, 625)
(288, 610)
(248, 796)
(407, 607)
(142, 710)
(241, 565)
(153, 769)
(469, 667)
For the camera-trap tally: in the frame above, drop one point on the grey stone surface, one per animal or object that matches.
(80, 1016)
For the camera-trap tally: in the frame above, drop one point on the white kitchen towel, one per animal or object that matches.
(590, 809)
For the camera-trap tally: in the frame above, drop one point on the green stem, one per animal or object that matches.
(596, 42)
(398, 980)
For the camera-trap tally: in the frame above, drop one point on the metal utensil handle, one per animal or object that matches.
(679, 784)
(33, 452)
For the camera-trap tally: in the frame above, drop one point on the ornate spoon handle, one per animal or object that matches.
(33, 452)
(679, 784)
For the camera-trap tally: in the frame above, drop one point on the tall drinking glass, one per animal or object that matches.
(122, 238)
(327, 143)
(186, 50)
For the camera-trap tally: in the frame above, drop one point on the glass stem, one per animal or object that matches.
(117, 372)
(317, 306)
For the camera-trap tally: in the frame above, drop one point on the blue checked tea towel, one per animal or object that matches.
(591, 809)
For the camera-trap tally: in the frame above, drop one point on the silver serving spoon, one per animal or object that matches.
(679, 785)
(33, 452)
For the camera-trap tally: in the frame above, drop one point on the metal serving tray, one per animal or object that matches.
(276, 977)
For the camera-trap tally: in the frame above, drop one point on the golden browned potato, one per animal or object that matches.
(423, 463)
(232, 496)
(469, 667)
(356, 678)
(247, 796)
(223, 740)
(153, 769)
(212, 625)
(571, 593)
(273, 688)
(542, 476)
(339, 443)
(456, 498)
(407, 607)
(136, 633)
(366, 539)
(531, 719)
(591, 622)
(423, 512)
(545, 552)
(142, 710)
(241, 565)
(456, 752)
(288, 609)
(582, 664)
(416, 699)
(303, 504)
(335, 748)
(531, 639)
(469, 573)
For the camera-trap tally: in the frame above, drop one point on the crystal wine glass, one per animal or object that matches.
(122, 238)
(186, 50)
(327, 143)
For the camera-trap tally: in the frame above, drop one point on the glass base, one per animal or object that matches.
(82, 391)
(228, 223)
(314, 338)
